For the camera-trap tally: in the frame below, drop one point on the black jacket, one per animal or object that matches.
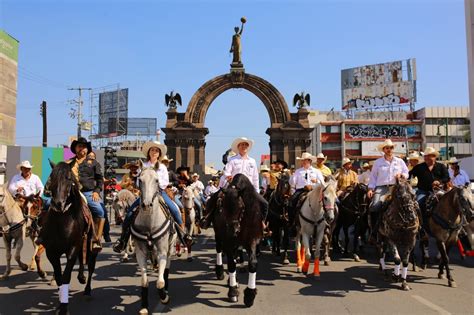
(90, 175)
(427, 177)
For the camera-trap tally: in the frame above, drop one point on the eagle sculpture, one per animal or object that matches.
(301, 100)
(173, 100)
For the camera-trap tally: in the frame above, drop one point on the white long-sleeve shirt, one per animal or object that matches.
(460, 180)
(303, 177)
(383, 172)
(210, 189)
(246, 166)
(30, 186)
(364, 178)
(198, 185)
(163, 175)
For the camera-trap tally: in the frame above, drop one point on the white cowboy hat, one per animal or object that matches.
(154, 144)
(240, 140)
(166, 158)
(386, 143)
(453, 160)
(345, 161)
(365, 165)
(25, 164)
(431, 151)
(321, 156)
(264, 168)
(307, 156)
(413, 156)
(195, 175)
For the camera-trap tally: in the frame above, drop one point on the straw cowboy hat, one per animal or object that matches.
(345, 161)
(431, 151)
(154, 144)
(386, 143)
(25, 164)
(453, 160)
(195, 175)
(167, 159)
(365, 165)
(307, 156)
(264, 168)
(321, 156)
(414, 156)
(81, 140)
(240, 140)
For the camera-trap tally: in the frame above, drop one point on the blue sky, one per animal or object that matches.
(153, 47)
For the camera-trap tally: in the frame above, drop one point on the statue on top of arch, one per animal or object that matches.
(301, 100)
(173, 100)
(236, 47)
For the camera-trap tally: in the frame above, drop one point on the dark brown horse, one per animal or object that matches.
(398, 228)
(66, 230)
(240, 224)
(278, 217)
(445, 222)
(352, 211)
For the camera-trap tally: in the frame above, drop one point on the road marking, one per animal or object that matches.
(431, 305)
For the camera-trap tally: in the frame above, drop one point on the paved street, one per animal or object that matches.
(345, 287)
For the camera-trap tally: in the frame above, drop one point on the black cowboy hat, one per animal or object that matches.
(285, 165)
(182, 168)
(81, 140)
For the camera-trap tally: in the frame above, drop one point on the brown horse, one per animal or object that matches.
(399, 227)
(445, 222)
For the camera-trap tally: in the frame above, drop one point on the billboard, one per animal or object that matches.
(113, 113)
(374, 132)
(369, 148)
(8, 46)
(141, 126)
(379, 85)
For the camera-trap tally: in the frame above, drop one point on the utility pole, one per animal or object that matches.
(45, 122)
(79, 108)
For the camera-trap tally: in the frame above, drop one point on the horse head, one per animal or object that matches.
(466, 202)
(149, 185)
(403, 192)
(63, 184)
(362, 199)
(234, 208)
(328, 199)
(188, 197)
(283, 189)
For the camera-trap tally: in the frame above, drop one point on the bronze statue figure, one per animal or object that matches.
(172, 100)
(236, 48)
(301, 100)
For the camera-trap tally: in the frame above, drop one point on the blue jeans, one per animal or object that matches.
(97, 208)
(173, 209)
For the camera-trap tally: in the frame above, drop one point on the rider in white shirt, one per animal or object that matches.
(25, 183)
(210, 189)
(458, 176)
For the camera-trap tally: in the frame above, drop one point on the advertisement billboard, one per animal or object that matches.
(8, 46)
(379, 85)
(374, 132)
(141, 126)
(113, 113)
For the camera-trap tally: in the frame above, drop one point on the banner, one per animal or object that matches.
(8, 46)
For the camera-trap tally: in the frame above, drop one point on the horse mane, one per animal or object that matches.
(61, 171)
(243, 188)
(125, 194)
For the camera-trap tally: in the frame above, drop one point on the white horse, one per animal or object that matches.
(121, 203)
(14, 224)
(152, 231)
(317, 211)
(187, 199)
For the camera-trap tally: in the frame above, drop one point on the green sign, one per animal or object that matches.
(8, 46)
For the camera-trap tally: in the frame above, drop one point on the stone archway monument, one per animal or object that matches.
(186, 132)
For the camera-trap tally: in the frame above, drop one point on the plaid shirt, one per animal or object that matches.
(346, 179)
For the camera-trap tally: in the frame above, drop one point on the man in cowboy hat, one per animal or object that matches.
(130, 181)
(25, 183)
(303, 180)
(265, 180)
(457, 175)
(320, 159)
(173, 178)
(346, 177)
(211, 188)
(198, 186)
(365, 176)
(274, 175)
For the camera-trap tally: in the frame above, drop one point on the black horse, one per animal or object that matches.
(352, 211)
(238, 222)
(67, 232)
(278, 217)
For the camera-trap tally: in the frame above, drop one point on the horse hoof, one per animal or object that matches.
(249, 296)
(4, 277)
(81, 279)
(441, 276)
(143, 311)
(396, 278)
(62, 309)
(452, 284)
(326, 263)
(356, 258)
(405, 286)
(32, 268)
(42, 275)
(53, 283)
(286, 261)
(233, 294)
(220, 272)
(189, 259)
(164, 297)
(24, 267)
(298, 269)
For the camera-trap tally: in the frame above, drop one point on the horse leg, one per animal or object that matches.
(286, 244)
(405, 256)
(345, 229)
(19, 246)
(444, 263)
(219, 264)
(355, 242)
(141, 254)
(91, 261)
(335, 237)
(65, 279)
(37, 257)
(251, 291)
(320, 234)
(307, 253)
(424, 246)
(233, 293)
(8, 257)
(80, 273)
(35, 251)
(160, 284)
(396, 270)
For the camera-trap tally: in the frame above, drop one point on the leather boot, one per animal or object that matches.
(99, 229)
(185, 238)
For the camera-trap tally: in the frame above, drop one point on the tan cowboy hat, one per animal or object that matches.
(264, 168)
(321, 156)
(154, 144)
(431, 151)
(453, 160)
(414, 156)
(195, 175)
(345, 161)
(386, 143)
(25, 164)
(365, 165)
(166, 158)
(307, 156)
(240, 140)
